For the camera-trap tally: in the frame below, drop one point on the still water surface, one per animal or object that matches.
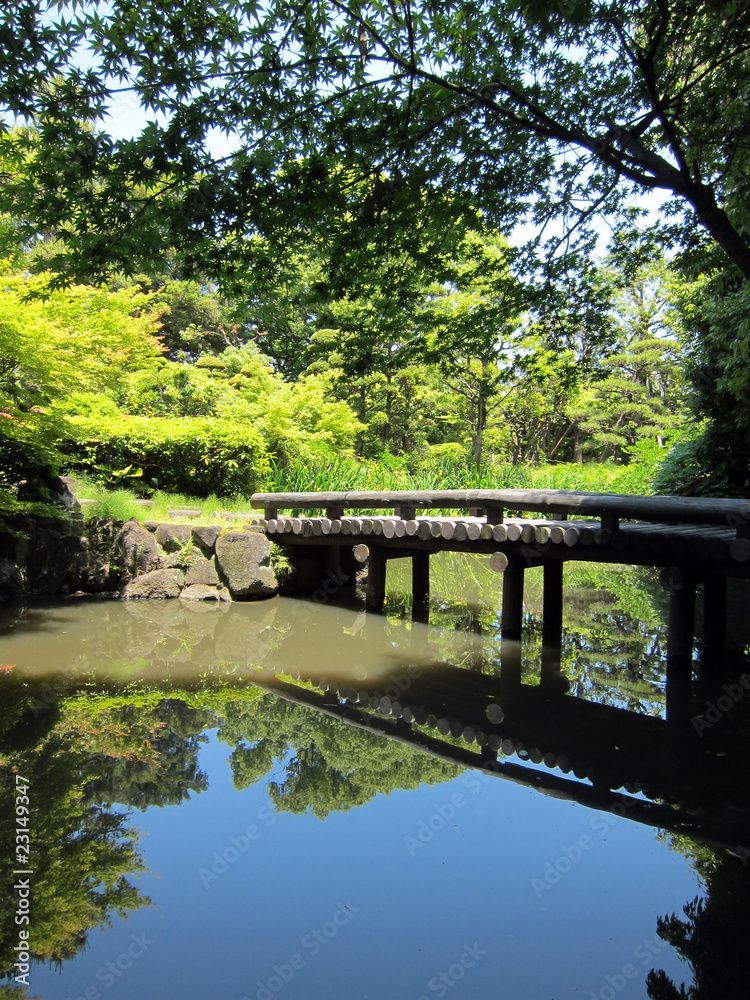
(205, 822)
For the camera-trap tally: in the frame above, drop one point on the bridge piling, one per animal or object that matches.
(552, 605)
(715, 612)
(681, 629)
(376, 570)
(420, 578)
(511, 621)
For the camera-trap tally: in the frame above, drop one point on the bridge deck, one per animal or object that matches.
(609, 507)
(692, 539)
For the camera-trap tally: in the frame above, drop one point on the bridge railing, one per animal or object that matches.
(610, 508)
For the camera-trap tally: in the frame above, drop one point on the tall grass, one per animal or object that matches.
(123, 504)
(343, 474)
(348, 474)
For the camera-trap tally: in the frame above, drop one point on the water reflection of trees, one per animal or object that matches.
(91, 757)
(712, 933)
(86, 757)
(328, 766)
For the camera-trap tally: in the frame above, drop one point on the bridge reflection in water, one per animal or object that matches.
(688, 775)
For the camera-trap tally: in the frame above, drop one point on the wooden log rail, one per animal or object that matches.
(608, 508)
(693, 539)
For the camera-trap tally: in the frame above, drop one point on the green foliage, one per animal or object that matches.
(350, 190)
(72, 344)
(298, 420)
(715, 306)
(200, 455)
(28, 455)
(210, 364)
(81, 339)
(194, 319)
(472, 319)
(564, 110)
(170, 389)
(333, 766)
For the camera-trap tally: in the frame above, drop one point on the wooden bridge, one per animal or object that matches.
(693, 540)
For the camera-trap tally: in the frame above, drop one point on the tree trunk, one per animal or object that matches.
(718, 224)
(362, 414)
(477, 443)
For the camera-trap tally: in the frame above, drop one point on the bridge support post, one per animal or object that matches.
(375, 593)
(511, 622)
(680, 639)
(552, 605)
(420, 578)
(715, 613)
(713, 661)
(510, 664)
(681, 619)
(552, 616)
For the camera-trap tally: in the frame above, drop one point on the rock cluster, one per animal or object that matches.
(195, 563)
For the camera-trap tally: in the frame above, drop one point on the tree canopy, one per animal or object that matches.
(526, 110)
(309, 175)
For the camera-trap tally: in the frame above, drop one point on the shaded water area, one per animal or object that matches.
(300, 800)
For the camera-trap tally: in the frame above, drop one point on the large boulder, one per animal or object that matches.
(11, 580)
(201, 571)
(98, 566)
(46, 554)
(204, 537)
(172, 537)
(136, 548)
(160, 583)
(243, 560)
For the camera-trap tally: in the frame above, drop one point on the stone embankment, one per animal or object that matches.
(134, 560)
(197, 563)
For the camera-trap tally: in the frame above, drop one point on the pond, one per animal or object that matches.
(301, 800)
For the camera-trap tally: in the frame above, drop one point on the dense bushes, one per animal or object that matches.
(85, 387)
(195, 455)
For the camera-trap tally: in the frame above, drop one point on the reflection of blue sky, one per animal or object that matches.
(472, 882)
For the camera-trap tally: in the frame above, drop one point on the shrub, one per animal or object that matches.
(212, 364)
(197, 455)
